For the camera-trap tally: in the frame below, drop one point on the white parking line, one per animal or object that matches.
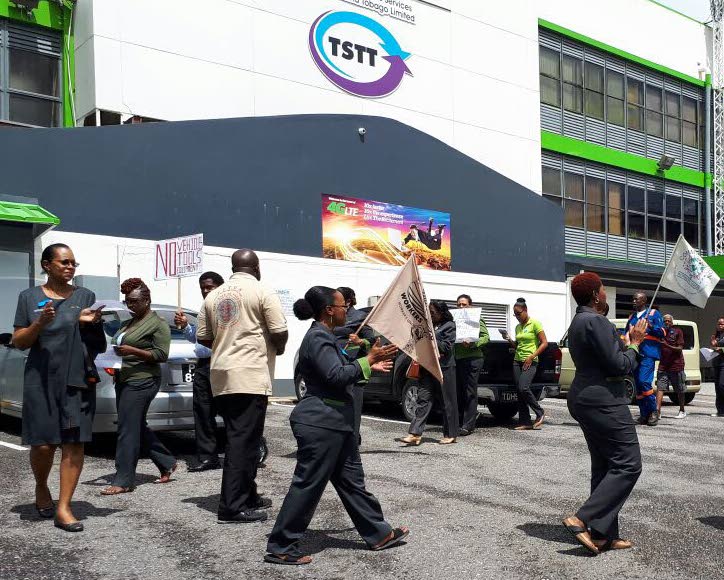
(13, 446)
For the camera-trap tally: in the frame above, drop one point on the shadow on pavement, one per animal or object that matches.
(713, 521)
(579, 552)
(316, 541)
(393, 451)
(105, 480)
(548, 532)
(210, 503)
(81, 510)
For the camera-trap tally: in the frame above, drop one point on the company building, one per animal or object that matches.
(557, 135)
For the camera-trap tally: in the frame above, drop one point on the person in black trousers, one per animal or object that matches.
(429, 386)
(323, 425)
(599, 402)
(717, 343)
(204, 408)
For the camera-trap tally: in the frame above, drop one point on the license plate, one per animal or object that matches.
(182, 373)
(509, 397)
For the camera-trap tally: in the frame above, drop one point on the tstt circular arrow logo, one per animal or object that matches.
(324, 47)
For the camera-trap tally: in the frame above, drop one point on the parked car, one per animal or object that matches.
(172, 408)
(496, 386)
(691, 363)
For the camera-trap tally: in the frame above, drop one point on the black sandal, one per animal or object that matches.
(398, 534)
(285, 560)
(46, 512)
(578, 532)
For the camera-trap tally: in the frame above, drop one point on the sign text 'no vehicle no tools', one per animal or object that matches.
(179, 257)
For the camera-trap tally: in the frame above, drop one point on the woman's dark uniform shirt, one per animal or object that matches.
(601, 364)
(329, 377)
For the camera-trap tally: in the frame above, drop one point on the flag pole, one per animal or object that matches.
(656, 292)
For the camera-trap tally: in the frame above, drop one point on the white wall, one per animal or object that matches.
(475, 83)
(296, 274)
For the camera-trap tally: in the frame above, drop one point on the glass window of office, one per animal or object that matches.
(31, 90)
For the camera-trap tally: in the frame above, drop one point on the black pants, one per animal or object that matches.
(134, 437)
(244, 421)
(610, 433)
(719, 388)
(427, 389)
(467, 371)
(204, 413)
(325, 455)
(526, 398)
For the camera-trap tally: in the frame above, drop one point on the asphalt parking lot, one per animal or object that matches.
(487, 507)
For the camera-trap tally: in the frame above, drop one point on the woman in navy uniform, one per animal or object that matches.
(598, 401)
(429, 385)
(323, 424)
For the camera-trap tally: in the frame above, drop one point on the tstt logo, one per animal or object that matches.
(337, 49)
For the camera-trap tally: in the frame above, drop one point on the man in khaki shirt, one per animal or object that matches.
(243, 324)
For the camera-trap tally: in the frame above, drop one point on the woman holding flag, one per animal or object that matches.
(442, 321)
(323, 424)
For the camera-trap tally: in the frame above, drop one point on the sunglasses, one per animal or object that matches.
(67, 263)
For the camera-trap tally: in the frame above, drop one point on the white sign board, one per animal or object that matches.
(179, 257)
(467, 324)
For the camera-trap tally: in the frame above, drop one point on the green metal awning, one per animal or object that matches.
(28, 213)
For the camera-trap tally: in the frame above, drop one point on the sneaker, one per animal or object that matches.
(681, 415)
(653, 420)
(717, 415)
(641, 420)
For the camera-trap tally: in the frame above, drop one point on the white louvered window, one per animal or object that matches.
(31, 79)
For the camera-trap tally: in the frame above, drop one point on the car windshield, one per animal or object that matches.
(112, 321)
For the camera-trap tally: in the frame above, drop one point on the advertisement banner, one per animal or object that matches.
(179, 257)
(375, 232)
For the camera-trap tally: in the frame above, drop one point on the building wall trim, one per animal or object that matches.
(618, 52)
(614, 157)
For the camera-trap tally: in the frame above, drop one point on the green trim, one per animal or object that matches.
(28, 213)
(665, 7)
(68, 68)
(50, 14)
(629, 161)
(620, 53)
(365, 366)
(716, 263)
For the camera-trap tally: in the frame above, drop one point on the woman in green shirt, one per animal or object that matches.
(143, 343)
(530, 341)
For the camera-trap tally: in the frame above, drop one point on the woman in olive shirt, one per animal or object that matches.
(530, 341)
(143, 343)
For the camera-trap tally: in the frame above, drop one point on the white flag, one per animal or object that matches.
(689, 275)
(403, 317)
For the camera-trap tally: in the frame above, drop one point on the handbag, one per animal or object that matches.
(94, 336)
(413, 371)
(90, 373)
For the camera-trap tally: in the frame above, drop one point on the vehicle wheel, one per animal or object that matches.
(688, 398)
(299, 387)
(408, 401)
(630, 391)
(502, 411)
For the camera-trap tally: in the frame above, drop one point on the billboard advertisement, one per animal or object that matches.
(376, 232)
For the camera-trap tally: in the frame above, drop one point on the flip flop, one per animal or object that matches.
(287, 560)
(116, 490)
(539, 422)
(398, 534)
(582, 536)
(166, 476)
(617, 544)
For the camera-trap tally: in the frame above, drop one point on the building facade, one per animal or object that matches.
(575, 102)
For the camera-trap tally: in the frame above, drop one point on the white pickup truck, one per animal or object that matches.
(691, 362)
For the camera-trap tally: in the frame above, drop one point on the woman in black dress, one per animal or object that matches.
(428, 386)
(64, 335)
(323, 423)
(598, 400)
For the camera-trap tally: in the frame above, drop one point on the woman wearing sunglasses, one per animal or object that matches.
(55, 321)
